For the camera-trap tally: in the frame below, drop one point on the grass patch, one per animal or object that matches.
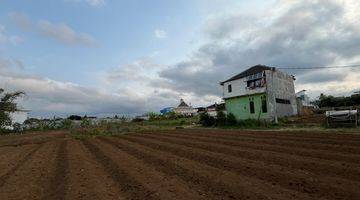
(121, 128)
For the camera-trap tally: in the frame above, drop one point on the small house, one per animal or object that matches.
(260, 92)
(184, 109)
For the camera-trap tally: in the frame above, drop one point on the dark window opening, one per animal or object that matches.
(263, 104)
(282, 101)
(256, 80)
(229, 88)
(252, 107)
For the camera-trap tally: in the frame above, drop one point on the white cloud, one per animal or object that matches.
(65, 34)
(46, 97)
(161, 34)
(60, 32)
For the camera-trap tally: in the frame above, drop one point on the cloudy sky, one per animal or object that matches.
(134, 56)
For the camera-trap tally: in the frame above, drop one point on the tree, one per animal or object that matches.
(7, 106)
(75, 117)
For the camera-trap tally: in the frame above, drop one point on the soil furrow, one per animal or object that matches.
(240, 139)
(222, 184)
(265, 135)
(20, 163)
(322, 154)
(317, 166)
(277, 134)
(31, 180)
(57, 188)
(10, 156)
(160, 184)
(87, 179)
(285, 177)
(127, 184)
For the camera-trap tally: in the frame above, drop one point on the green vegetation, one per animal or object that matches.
(7, 106)
(229, 121)
(331, 101)
(110, 128)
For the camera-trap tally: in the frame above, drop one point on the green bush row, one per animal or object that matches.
(229, 120)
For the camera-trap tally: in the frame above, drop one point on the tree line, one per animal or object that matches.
(330, 101)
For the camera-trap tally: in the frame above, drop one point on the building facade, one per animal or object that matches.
(303, 97)
(185, 109)
(260, 92)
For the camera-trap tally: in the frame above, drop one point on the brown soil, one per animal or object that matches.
(181, 164)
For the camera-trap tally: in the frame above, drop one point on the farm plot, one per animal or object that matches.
(182, 164)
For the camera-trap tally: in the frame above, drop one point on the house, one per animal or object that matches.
(260, 92)
(304, 106)
(185, 109)
(212, 109)
(303, 97)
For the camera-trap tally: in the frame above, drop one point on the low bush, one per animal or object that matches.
(231, 120)
(207, 120)
(249, 123)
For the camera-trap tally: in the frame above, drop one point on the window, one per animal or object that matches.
(229, 88)
(263, 104)
(252, 107)
(282, 101)
(256, 81)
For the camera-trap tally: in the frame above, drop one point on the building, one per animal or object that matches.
(303, 98)
(212, 109)
(260, 92)
(185, 109)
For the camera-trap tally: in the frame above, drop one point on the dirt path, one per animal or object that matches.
(182, 164)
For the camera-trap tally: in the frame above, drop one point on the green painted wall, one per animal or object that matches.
(240, 107)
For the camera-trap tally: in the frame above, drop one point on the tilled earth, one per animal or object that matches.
(182, 164)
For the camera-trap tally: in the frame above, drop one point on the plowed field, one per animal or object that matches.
(183, 164)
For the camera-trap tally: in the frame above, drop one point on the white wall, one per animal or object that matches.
(280, 85)
(239, 88)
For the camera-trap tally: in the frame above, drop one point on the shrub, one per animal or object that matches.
(220, 118)
(17, 128)
(153, 116)
(66, 124)
(249, 123)
(206, 119)
(137, 119)
(85, 122)
(231, 120)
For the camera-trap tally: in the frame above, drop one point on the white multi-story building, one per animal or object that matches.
(260, 92)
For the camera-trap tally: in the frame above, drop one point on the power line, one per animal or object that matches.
(328, 67)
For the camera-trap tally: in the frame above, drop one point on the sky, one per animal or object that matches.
(99, 57)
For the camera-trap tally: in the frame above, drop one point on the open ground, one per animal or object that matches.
(181, 164)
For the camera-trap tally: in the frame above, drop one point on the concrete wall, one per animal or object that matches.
(185, 110)
(240, 107)
(239, 88)
(280, 85)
